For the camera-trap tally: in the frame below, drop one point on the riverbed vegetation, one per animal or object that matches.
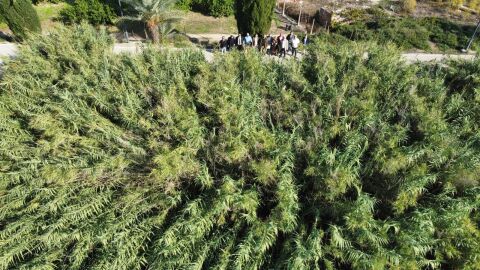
(348, 159)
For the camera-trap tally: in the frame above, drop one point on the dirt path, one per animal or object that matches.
(9, 50)
(435, 57)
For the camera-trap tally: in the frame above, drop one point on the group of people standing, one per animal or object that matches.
(272, 45)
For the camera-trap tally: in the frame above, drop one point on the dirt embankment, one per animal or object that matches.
(443, 10)
(309, 8)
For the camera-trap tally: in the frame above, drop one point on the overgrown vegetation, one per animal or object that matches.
(164, 161)
(405, 32)
(216, 8)
(36, 2)
(475, 4)
(50, 13)
(409, 6)
(95, 12)
(157, 15)
(20, 17)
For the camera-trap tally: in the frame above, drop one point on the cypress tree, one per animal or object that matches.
(20, 17)
(254, 16)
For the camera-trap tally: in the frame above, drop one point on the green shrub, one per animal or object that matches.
(20, 17)
(254, 16)
(36, 2)
(448, 34)
(354, 14)
(184, 4)
(94, 11)
(216, 8)
(409, 6)
(219, 8)
(355, 31)
(161, 160)
(475, 4)
(361, 14)
(407, 33)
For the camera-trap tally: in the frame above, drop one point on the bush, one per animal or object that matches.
(95, 12)
(219, 8)
(409, 6)
(407, 33)
(475, 4)
(216, 8)
(447, 34)
(163, 161)
(184, 4)
(36, 2)
(20, 17)
(362, 15)
(456, 3)
(355, 31)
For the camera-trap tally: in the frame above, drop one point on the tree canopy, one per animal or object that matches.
(254, 16)
(158, 16)
(20, 17)
(345, 160)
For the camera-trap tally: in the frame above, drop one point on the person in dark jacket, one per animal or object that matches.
(239, 42)
(280, 39)
(268, 45)
(274, 46)
(230, 43)
(289, 39)
(305, 39)
(223, 45)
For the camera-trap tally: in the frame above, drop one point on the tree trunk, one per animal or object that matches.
(153, 31)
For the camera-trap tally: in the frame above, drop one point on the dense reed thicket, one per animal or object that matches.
(164, 161)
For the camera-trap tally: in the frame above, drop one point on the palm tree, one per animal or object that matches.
(158, 16)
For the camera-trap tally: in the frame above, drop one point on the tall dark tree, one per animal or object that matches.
(254, 16)
(20, 17)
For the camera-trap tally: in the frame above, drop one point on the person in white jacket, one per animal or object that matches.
(295, 44)
(284, 46)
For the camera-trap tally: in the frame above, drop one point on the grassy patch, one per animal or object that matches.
(197, 23)
(3, 25)
(48, 14)
(49, 11)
